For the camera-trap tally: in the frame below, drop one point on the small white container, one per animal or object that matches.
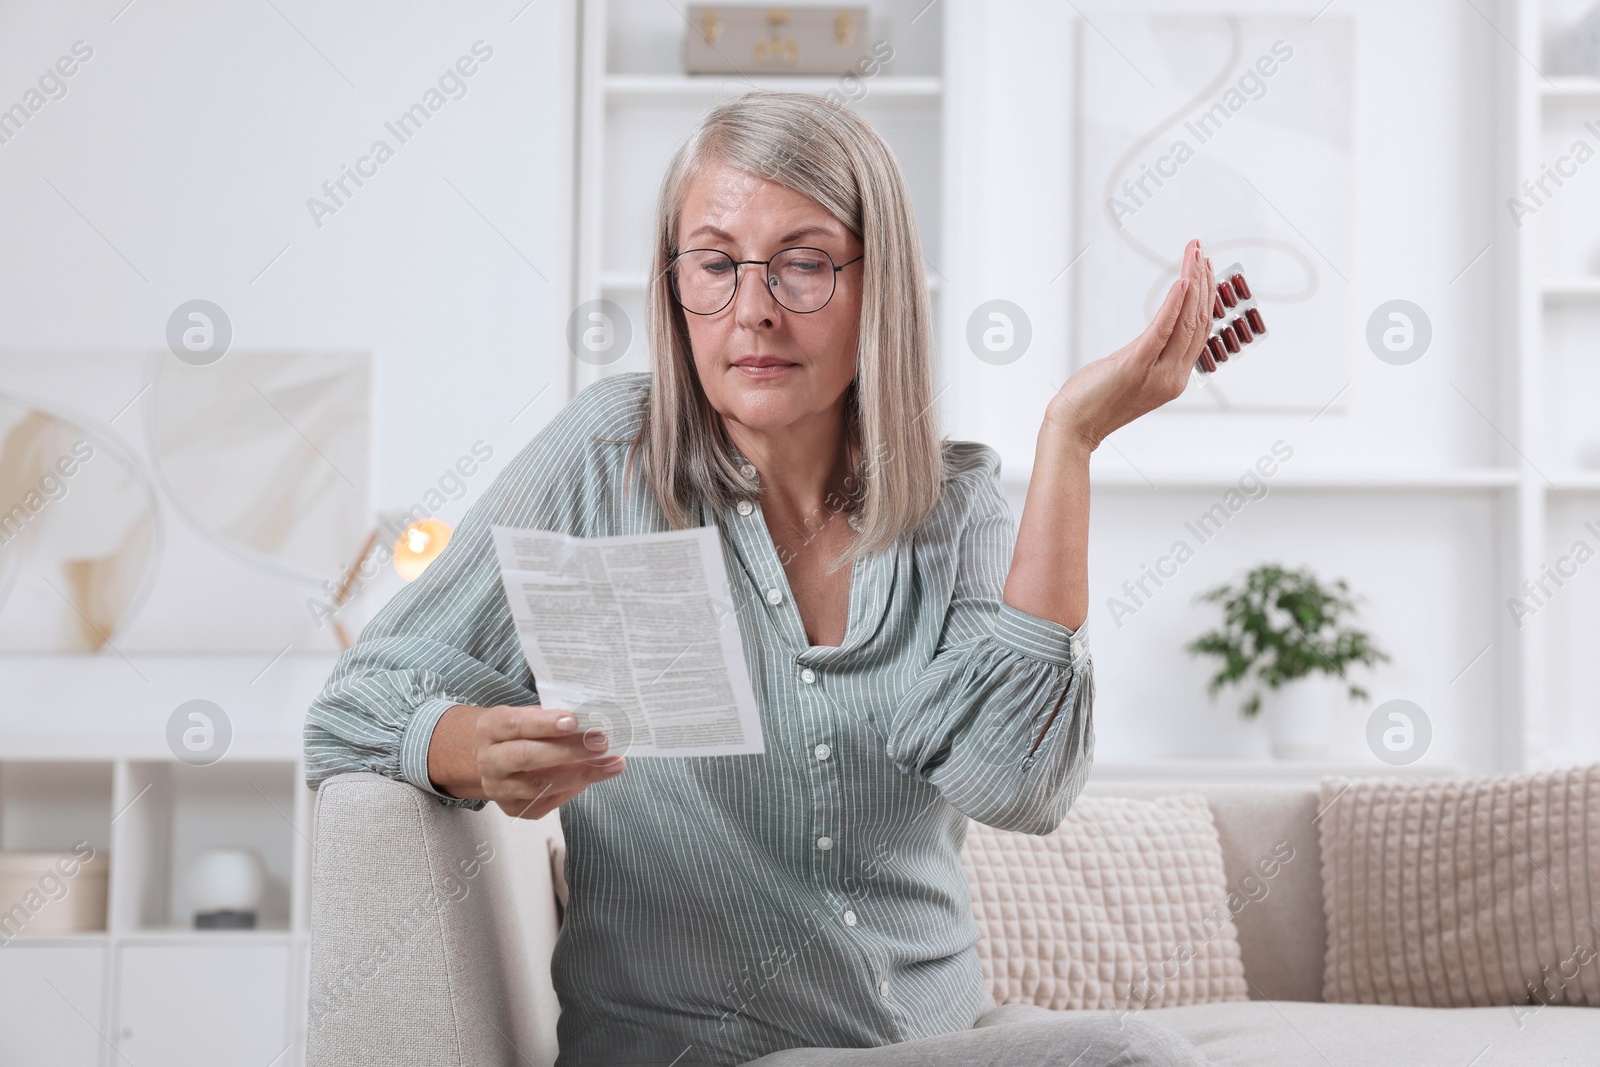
(52, 892)
(225, 881)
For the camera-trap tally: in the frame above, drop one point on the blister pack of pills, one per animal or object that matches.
(1236, 322)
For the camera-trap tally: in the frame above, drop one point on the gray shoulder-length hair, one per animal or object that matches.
(828, 153)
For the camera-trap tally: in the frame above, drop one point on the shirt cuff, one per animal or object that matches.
(415, 741)
(1039, 638)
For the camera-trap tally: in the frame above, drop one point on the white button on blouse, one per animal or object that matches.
(774, 596)
(822, 751)
(808, 676)
(748, 470)
(824, 843)
(744, 507)
(849, 918)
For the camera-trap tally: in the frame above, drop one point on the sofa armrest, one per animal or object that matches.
(431, 931)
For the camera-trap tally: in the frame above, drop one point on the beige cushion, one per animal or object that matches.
(1273, 861)
(1123, 906)
(1463, 892)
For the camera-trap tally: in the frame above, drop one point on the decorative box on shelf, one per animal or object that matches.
(727, 39)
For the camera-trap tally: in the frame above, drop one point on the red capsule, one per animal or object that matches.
(1216, 307)
(1242, 328)
(1206, 362)
(1226, 293)
(1218, 353)
(1255, 321)
(1230, 339)
(1240, 287)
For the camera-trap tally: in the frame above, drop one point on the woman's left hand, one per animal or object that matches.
(1147, 372)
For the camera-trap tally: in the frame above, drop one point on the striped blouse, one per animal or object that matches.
(722, 908)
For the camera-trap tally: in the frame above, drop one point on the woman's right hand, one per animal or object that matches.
(1147, 372)
(527, 759)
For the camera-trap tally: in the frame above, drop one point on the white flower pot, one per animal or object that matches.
(1299, 716)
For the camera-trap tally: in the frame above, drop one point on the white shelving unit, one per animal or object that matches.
(635, 106)
(1556, 290)
(86, 759)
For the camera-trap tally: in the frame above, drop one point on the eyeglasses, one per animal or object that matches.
(801, 280)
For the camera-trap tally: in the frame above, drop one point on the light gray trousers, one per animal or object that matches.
(1017, 1035)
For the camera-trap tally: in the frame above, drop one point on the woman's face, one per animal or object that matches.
(763, 366)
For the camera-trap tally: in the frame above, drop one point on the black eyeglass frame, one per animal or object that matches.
(672, 274)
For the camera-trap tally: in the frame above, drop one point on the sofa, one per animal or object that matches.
(432, 930)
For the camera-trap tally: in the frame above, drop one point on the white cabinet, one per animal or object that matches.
(147, 989)
(202, 1005)
(1556, 425)
(50, 1004)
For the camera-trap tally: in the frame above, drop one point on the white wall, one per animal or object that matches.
(194, 136)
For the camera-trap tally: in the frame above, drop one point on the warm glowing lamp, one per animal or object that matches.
(419, 545)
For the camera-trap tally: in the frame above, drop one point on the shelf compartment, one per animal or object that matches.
(49, 807)
(1568, 437)
(1561, 194)
(1564, 607)
(645, 37)
(1422, 567)
(175, 811)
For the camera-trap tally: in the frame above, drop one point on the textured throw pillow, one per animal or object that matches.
(1124, 906)
(1463, 892)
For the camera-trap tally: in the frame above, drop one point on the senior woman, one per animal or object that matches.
(810, 898)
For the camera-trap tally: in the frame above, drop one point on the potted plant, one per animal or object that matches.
(1284, 638)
